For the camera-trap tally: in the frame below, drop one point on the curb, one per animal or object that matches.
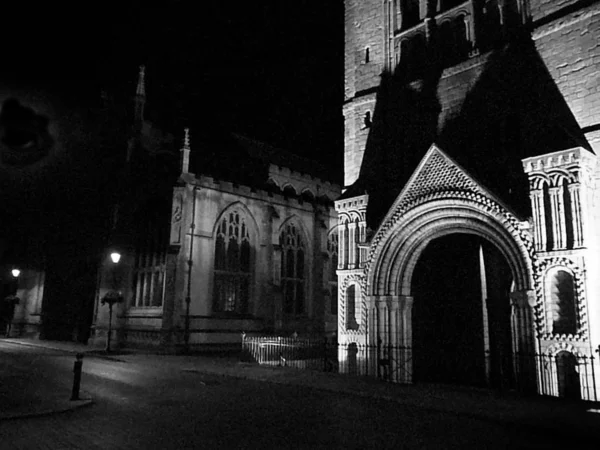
(76, 404)
(89, 353)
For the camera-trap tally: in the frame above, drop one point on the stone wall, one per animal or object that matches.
(570, 48)
(364, 20)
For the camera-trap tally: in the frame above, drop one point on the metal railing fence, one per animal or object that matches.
(563, 375)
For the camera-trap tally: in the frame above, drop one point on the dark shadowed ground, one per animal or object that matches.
(145, 401)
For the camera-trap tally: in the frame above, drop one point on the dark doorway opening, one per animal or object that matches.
(456, 340)
(569, 384)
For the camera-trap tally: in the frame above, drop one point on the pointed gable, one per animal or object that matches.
(437, 173)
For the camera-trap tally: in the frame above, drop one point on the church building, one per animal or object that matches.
(242, 240)
(217, 235)
(468, 223)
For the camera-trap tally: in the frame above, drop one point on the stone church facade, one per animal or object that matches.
(221, 255)
(468, 225)
(218, 238)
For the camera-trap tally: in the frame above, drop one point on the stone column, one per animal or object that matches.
(396, 354)
(382, 338)
(351, 245)
(558, 222)
(405, 304)
(539, 219)
(469, 33)
(524, 348)
(264, 305)
(316, 307)
(277, 288)
(382, 321)
(342, 231)
(169, 336)
(576, 213)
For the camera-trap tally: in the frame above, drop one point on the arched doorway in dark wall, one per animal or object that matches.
(461, 318)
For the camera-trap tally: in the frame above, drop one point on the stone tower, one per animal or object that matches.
(461, 116)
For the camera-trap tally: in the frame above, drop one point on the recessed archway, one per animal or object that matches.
(461, 327)
(403, 241)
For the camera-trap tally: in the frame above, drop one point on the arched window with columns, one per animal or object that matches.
(548, 222)
(561, 302)
(568, 213)
(344, 240)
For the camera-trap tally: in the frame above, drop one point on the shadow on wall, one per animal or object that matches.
(403, 127)
(512, 110)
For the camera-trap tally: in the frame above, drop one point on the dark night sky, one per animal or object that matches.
(271, 69)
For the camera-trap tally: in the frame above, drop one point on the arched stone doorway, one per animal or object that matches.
(396, 250)
(569, 383)
(461, 317)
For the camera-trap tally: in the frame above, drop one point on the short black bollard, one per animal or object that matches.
(77, 376)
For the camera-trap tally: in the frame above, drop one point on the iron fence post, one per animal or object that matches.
(593, 362)
(378, 356)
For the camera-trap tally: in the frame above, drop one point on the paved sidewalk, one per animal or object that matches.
(545, 414)
(28, 393)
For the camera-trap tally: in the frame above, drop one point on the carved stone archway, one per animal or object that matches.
(402, 239)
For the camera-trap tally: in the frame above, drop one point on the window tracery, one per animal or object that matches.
(232, 270)
(293, 251)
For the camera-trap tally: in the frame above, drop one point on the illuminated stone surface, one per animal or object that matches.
(493, 134)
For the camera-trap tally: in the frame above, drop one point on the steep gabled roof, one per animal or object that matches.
(437, 172)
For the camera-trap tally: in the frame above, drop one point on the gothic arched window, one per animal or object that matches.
(292, 269)
(332, 253)
(417, 56)
(231, 290)
(152, 236)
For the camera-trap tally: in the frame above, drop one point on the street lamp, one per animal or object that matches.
(9, 303)
(115, 257)
(111, 297)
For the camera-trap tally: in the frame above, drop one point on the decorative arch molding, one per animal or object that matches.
(558, 347)
(273, 182)
(308, 193)
(253, 227)
(553, 178)
(357, 279)
(400, 240)
(350, 216)
(543, 268)
(295, 220)
(333, 230)
(289, 189)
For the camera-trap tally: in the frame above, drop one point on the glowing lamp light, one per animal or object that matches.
(15, 273)
(115, 257)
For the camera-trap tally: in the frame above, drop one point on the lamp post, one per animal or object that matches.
(9, 303)
(113, 296)
(115, 257)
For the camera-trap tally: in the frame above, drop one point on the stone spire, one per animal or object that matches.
(185, 150)
(140, 96)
